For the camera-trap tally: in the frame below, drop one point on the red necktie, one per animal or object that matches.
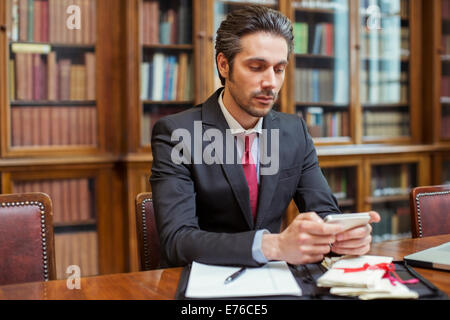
(248, 164)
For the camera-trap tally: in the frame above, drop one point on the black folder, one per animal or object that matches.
(307, 275)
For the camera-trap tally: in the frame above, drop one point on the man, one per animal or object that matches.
(223, 212)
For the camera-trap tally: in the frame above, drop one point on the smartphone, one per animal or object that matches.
(348, 220)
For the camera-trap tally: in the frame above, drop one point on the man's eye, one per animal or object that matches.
(255, 68)
(279, 70)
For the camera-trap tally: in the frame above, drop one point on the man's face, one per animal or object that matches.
(258, 73)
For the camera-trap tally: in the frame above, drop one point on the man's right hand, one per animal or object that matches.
(306, 240)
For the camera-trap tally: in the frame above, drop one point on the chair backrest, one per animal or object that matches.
(148, 239)
(26, 238)
(430, 211)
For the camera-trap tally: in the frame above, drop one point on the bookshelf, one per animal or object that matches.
(166, 73)
(321, 67)
(51, 79)
(445, 75)
(384, 69)
(341, 181)
(391, 180)
(54, 133)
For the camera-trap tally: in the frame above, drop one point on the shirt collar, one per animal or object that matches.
(235, 127)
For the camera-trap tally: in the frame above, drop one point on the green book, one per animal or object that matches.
(30, 20)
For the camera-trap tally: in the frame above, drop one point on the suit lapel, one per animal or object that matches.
(212, 117)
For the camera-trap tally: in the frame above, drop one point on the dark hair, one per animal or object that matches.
(248, 20)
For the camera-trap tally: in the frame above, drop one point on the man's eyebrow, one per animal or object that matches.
(258, 59)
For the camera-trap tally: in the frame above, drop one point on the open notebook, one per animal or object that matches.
(272, 279)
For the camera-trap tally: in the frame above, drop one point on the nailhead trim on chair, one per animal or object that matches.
(144, 233)
(43, 233)
(419, 220)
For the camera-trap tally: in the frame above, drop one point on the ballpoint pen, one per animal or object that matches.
(235, 275)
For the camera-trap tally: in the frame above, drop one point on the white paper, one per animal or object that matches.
(362, 279)
(274, 278)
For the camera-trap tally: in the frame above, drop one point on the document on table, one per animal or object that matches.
(272, 279)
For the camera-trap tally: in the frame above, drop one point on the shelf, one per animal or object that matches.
(321, 104)
(72, 227)
(246, 3)
(385, 105)
(166, 102)
(44, 103)
(393, 198)
(58, 46)
(445, 100)
(313, 56)
(181, 47)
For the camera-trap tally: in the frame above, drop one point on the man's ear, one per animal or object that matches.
(222, 65)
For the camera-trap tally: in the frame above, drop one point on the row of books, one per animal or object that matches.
(320, 4)
(53, 126)
(386, 124)
(166, 22)
(395, 223)
(391, 180)
(326, 124)
(317, 39)
(445, 86)
(47, 78)
(394, 7)
(76, 249)
(72, 199)
(149, 119)
(445, 9)
(320, 85)
(389, 43)
(167, 77)
(337, 180)
(378, 86)
(52, 21)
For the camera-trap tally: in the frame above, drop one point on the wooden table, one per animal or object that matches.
(162, 284)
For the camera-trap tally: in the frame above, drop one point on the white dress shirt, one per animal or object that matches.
(239, 133)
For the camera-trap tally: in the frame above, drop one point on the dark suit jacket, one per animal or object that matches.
(203, 211)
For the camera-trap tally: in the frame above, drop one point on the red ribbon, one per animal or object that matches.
(387, 267)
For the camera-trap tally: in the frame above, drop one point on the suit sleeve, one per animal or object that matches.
(182, 240)
(313, 192)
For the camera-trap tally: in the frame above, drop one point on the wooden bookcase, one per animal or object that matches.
(436, 62)
(348, 77)
(58, 119)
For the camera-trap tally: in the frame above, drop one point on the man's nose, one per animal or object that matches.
(269, 79)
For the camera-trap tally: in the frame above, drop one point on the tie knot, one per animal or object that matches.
(249, 142)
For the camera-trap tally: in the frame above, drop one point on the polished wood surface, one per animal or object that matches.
(162, 284)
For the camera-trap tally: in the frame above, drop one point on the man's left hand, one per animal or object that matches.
(355, 241)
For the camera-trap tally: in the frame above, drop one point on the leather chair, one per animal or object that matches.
(148, 239)
(430, 211)
(26, 238)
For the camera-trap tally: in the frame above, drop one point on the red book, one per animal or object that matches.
(45, 21)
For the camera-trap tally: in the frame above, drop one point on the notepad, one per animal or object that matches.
(272, 279)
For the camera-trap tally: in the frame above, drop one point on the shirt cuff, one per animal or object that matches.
(257, 253)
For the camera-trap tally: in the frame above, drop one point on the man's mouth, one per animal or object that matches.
(264, 99)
